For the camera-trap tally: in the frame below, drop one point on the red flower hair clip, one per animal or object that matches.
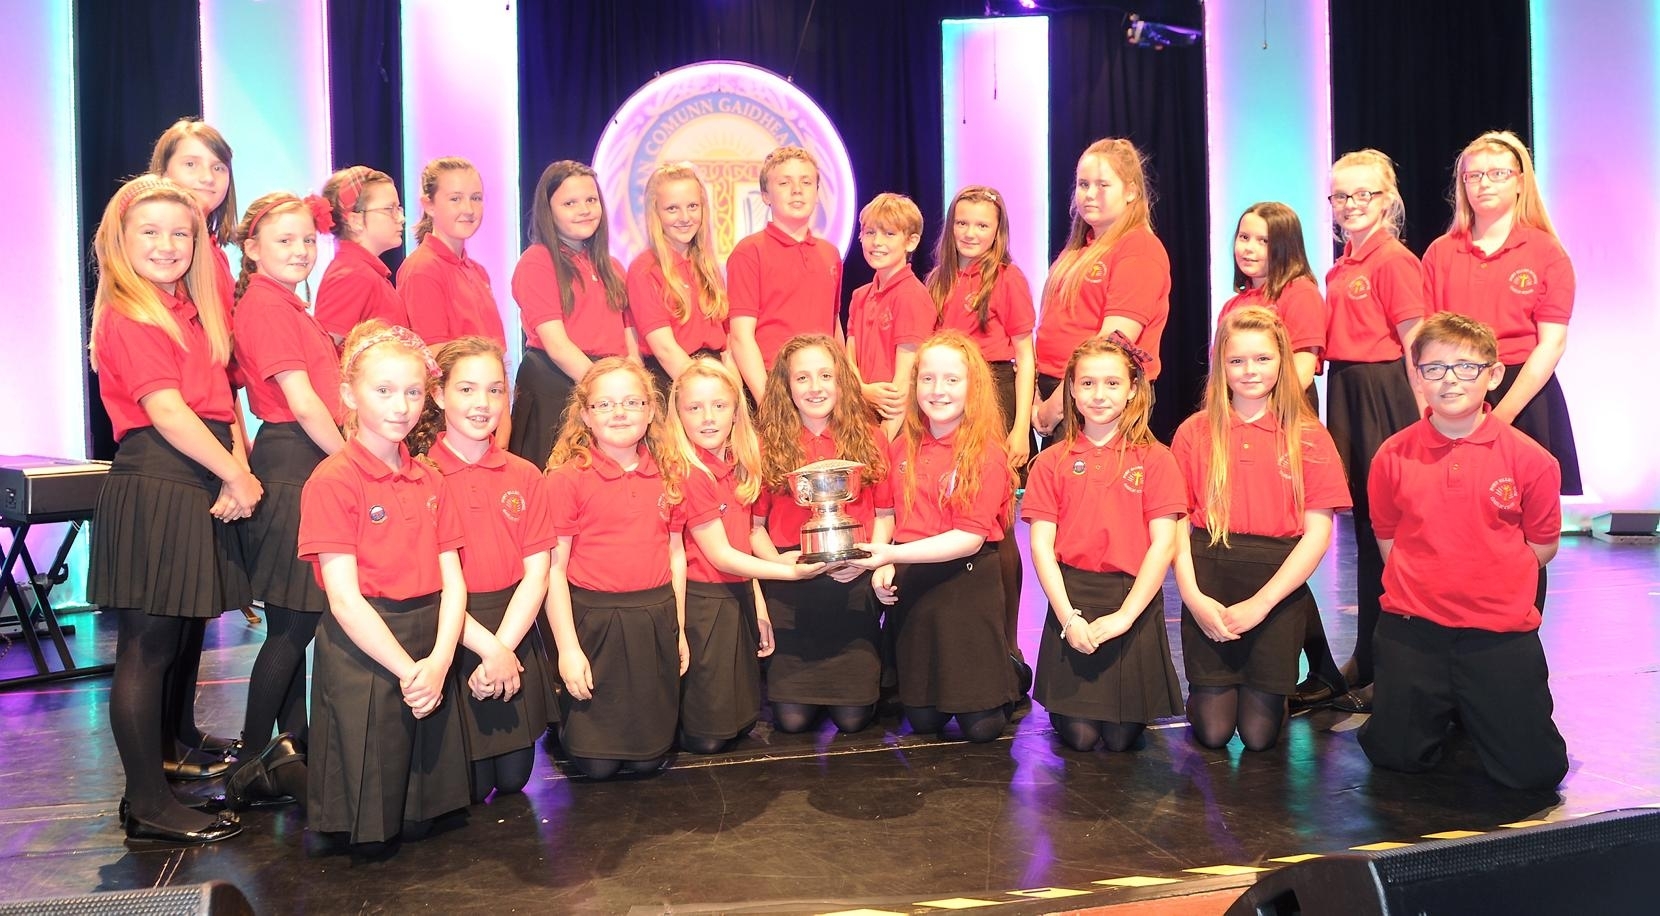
(321, 213)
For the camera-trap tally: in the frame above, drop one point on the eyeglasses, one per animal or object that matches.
(1464, 372)
(1360, 197)
(394, 210)
(632, 405)
(1496, 176)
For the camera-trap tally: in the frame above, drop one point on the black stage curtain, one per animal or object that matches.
(365, 77)
(1100, 86)
(1418, 80)
(138, 69)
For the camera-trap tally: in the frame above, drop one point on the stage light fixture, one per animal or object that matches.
(1159, 35)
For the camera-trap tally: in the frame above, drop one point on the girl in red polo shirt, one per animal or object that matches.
(503, 509)
(615, 596)
(954, 484)
(572, 298)
(1375, 294)
(890, 315)
(977, 289)
(447, 293)
(1104, 510)
(293, 379)
(368, 222)
(726, 623)
(1113, 274)
(161, 553)
(828, 630)
(686, 316)
(1263, 481)
(386, 754)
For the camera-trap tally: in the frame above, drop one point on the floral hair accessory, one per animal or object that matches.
(1137, 355)
(321, 213)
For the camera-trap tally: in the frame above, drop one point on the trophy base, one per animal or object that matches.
(835, 556)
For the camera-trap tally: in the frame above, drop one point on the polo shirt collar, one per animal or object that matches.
(352, 251)
(1268, 422)
(442, 250)
(610, 470)
(898, 277)
(1483, 434)
(784, 238)
(947, 441)
(1519, 235)
(286, 294)
(450, 463)
(1082, 444)
(1378, 240)
(178, 302)
(717, 464)
(375, 469)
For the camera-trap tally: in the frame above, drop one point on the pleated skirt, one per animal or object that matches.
(494, 727)
(720, 694)
(1545, 420)
(951, 651)
(1264, 657)
(632, 643)
(283, 458)
(828, 634)
(372, 765)
(1002, 376)
(540, 393)
(1367, 403)
(155, 546)
(1129, 679)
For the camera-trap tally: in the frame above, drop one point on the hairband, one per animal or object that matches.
(1137, 355)
(321, 213)
(352, 188)
(138, 186)
(396, 334)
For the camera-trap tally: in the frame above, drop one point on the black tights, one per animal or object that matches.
(607, 767)
(504, 773)
(978, 727)
(798, 717)
(276, 686)
(147, 651)
(1013, 570)
(1084, 734)
(696, 744)
(1215, 713)
(178, 696)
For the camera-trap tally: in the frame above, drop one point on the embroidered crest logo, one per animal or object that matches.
(1097, 273)
(1359, 288)
(1135, 478)
(1504, 493)
(432, 505)
(513, 505)
(1285, 466)
(1523, 282)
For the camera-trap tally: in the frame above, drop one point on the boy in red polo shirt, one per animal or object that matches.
(1466, 513)
(893, 313)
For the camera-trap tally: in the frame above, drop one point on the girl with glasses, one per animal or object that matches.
(368, 221)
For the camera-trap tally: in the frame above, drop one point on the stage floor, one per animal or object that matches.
(880, 821)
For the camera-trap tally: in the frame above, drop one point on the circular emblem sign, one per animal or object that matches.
(723, 117)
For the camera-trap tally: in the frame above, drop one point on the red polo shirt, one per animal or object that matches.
(448, 296)
(927, 512)
(788, 287)
(618, 522)
(1370, 292)
(1131, 280)
(356, 287)
(648, 304)
(1101, 499)
(886, 316)
(1300, 307)
(275, 333)
(502, 506)
(1529, 281)
(224, 283)
(388, 519)
(136, 360)
(784, 519)
(1259, 477)
(595, 327)
(1461, 512)
(1009, 315)
(708, 497)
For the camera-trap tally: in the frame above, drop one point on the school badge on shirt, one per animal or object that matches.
(1504, 493)
(1523, 282)
(1079, 467)
(513, 505)
(377, 514)
(1359, 288)
(1135, 478)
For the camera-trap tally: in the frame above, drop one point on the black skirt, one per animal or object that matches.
(494, 727)
(1265, 657)
(1002, 376)
(827, 634)
(1366, 404)
(1545, 420)
(155, 547)
(372, 765)
(951, 651)
(539, 397)
(282, 458)
(1130, 679)
(720, 696)
(1046, 385)
(632, 643)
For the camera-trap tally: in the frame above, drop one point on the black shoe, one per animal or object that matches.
(223, 828)
(213, 804)
(215, 746)
(1358, 700)
(1312, 693)
(1022, 675)
(254, 783)
(185, 771)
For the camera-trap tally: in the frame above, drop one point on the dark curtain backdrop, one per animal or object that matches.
(365, 106)
(138, 69)
(1419, 79)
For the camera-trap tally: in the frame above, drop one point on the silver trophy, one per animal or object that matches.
(824, 486)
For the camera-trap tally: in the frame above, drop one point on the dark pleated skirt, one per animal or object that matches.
(372, 765)
(1545, 420)
(1367, 403)
(1264, 657)
(951, 650)
(828, 634)
(495, 727)
(539, 397)
(1130, 679)
(283, 457)
(155, 546)
(1046, 385)
(632, 643)
(1002, 375)
(720, 696)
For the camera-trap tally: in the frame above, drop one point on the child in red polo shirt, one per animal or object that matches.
(1104, 511)
(783, 281)
(1263, 481)
(616, 594)
(727, 627)
(1467, 512)
(447, 293)
(828, 630)
(891, 314)
(368, 221)
(685, 316)
(572, 300)
(503, 509)
(1113, 274)
(293, 377)
(386, 754)
(954, 485)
